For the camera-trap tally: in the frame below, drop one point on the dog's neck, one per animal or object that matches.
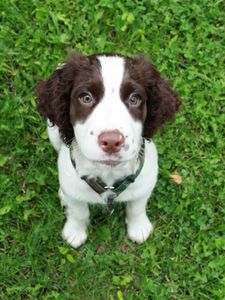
(108, 174)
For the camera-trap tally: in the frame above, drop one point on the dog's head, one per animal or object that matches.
(108, 103)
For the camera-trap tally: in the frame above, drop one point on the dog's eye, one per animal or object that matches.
(135, 99)
(86, 98)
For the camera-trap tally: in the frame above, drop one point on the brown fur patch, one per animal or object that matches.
(57, 96)
(161, 102)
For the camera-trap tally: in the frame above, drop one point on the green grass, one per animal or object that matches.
(184, 258)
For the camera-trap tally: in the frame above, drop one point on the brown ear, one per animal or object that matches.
(162, 100)
(53, 95)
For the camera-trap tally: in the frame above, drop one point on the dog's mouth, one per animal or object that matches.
(113, 161)
(110, 162)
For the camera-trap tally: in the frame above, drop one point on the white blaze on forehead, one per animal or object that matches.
(112, 69)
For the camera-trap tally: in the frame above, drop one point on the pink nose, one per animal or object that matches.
(111, 141)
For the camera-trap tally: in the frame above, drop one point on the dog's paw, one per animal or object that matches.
(74, 235)
(139, 230)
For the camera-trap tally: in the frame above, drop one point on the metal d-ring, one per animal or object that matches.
(109, 187)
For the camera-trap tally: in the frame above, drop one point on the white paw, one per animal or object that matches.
(73, 234)
(139, 230)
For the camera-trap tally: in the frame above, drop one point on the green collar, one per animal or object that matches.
(119, 186)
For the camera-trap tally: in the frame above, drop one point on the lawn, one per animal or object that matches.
(185, 257)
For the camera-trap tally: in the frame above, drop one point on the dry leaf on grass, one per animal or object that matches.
(175, 178)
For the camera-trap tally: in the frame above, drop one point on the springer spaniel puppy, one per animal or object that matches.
(101, 112)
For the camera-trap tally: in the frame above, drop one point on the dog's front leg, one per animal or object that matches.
(74, 231)
(138, 225)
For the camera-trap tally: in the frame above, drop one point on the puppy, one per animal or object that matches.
(101, 112)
